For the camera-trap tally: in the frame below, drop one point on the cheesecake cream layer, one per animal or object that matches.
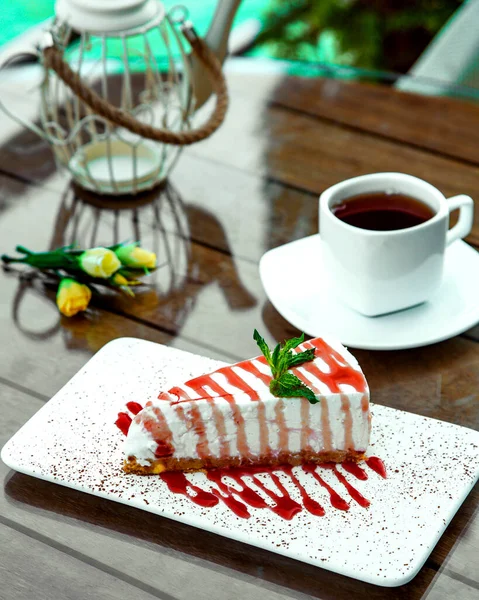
(230, 416)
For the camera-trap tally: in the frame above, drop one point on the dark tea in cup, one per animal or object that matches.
(381, 211)
(384, 250)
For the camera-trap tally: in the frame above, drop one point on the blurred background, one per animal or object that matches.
(435, 42)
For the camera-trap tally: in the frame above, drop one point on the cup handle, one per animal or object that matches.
(465, 204)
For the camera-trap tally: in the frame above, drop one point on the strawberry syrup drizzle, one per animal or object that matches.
(339, 371)
(283, 431)
(160, 431)
(377, 465)
(309, 504)
(246, 493)
(284, 506)
(198, 425)
(306, 430)
(264, 447)
(134, 407)
(354, 469)
(353, 492)
(234, 379)
(334, 497)
(250, 367)
(325, 425)
(123, 422)
(307, 381)
(178, 484)
(231, 502)
(200, 388)
(348, 422)
(207, 380)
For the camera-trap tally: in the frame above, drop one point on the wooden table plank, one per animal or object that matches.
(460, 560)
(30, 568)
(446, 126)
(452, 588)
(166, 557)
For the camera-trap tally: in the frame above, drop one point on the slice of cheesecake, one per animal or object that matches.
(230, 417)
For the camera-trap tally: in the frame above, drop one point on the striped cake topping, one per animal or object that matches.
(328, 373)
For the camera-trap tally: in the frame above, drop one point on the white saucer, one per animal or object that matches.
(293, 280)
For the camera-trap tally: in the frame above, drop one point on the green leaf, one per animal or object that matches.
(298, 359)
(286, 384)
(287, 359)
(263, 346)
(274, 359)
(293, 342)
(289, 386)
(282, 364)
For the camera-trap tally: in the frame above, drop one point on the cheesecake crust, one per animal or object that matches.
(161, 465)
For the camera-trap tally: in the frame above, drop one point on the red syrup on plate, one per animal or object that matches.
(123, 422)
(238, 498)
(334, 497)
(377, 465)
(283, 505)
(353, 492)
(134, 407)
(178, 484)
(309, 504)
(354, 469)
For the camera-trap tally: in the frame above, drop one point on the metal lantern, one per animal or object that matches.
(114, 116)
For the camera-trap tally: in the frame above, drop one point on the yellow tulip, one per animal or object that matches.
(99, 262)
(72, 297)
(132, 255)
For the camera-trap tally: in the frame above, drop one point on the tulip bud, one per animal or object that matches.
(72, 297)
(99, 262)
(131, 255)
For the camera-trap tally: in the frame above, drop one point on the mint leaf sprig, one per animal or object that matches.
(285, 384)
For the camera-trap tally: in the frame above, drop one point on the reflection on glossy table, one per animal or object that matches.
(251, 187)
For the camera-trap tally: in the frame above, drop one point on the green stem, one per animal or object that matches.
(24, 250)
(52, 260)
(9, 259)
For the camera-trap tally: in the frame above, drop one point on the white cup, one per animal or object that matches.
(377, 272)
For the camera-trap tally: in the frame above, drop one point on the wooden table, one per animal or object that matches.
(251, 187)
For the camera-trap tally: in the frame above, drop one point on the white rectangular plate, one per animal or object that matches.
(431, 467)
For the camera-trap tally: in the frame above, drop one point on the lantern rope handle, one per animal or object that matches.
(53, 59)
